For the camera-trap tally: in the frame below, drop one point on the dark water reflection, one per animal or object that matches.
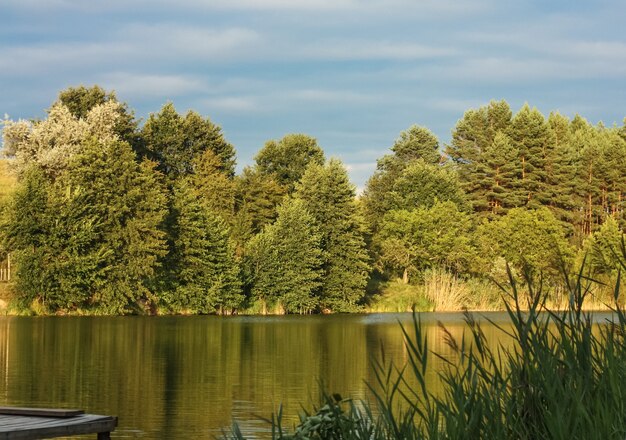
(188, 377)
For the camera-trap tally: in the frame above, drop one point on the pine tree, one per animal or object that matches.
(561, 176)
(475, 132)
(613, 174)
(202, 271)
(284, 261)
(497, 177)
(127, 202)
(588, 178)
(212, 186)
(329, 197)
(256, 200)
(415, 144)
(530, 135)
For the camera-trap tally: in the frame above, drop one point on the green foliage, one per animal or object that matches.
(412, 241)
(91, 238)
(416, 143)
(474, 132)
(603, 247)
(284, 262)
(7, 180)
(174, 141)
(96, 232)
(81, 100)
(530, 240)
(256, 200)
(421, 185)
(530, 135)
(409, 177)
(53, 142)
(213, 188)
(497, 177)
(200, 267)
(287, 159)
(329, 197)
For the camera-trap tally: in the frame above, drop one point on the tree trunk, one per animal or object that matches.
(405, 276)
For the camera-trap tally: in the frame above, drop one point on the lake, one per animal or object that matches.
(190, 376)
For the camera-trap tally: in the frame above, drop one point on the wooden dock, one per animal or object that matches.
(36, 423)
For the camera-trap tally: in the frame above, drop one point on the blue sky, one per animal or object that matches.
(352, 73)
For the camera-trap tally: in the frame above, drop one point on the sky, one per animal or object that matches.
(351, 73)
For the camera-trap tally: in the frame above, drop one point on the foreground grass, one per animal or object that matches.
(561, 378)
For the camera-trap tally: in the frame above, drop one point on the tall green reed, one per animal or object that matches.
(562, 377)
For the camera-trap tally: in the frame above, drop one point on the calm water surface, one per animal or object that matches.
(189, 377)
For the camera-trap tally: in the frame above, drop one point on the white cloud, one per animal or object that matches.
(134, 45)
(174, 41)
(424, 8)
(232, 104)
(328, 95)
(372, 49)
(139, 86)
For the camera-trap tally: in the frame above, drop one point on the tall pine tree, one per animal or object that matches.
(284, 262)
(329, 197)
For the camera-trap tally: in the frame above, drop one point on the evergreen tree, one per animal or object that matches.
(613, 174)
(586, 143)
(202, 271)
(256, 200)
(417, 144)
(284, 261)
(530, 135)
(561, 174)
(495, 188)
(329, 197)
(127, 202)
(213, 188)
(473, 133)
(287, 159)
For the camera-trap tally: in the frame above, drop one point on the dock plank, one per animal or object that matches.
(43, 412)
(20, 427)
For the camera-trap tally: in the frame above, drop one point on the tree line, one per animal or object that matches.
(110, 216)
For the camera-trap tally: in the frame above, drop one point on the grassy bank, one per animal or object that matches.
(561, 378)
